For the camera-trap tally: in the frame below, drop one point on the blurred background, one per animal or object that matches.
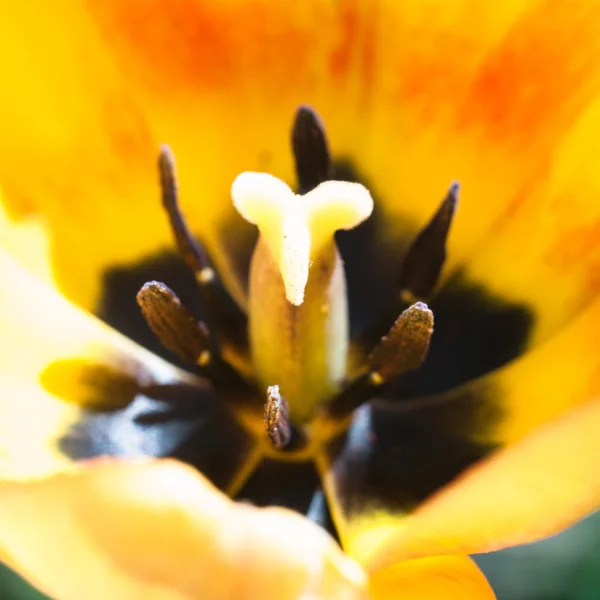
(565, 567)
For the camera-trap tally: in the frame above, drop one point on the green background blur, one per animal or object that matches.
(566, 567)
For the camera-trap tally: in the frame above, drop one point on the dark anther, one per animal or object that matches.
(403, 349)
(227, 325)
(425, 257)
(309, 143)
(277, 423)
(188, 247)
(173, 324)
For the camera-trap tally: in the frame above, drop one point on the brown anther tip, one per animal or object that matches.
(277, 423)
(309, 143)
(405, 347)
(172, 323)
(425, 258)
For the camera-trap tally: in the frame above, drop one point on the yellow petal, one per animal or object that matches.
(505, 99)
(521, 494)
(392, 459)
(510, 88)
(41, 329)
(41, 335)
(560, 374)
(70, 388)
(436, 578)
(75, 125)
(27, 239)
(159, 530)
(398, 455)
(544, 252)
(89, 148)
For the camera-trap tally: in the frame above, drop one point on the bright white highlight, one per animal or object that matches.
(296, 228)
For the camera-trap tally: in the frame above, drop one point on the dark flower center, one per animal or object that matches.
(211, 349)
(390, 329)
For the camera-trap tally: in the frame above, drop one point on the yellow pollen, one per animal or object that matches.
(204, 358)
(295, 227)
(205, 275)
(375, 378)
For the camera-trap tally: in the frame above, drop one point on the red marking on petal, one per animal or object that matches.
(368, 59)
(185, 43)
(429, 83)
(578, 246)
(575, 244)
(342, 56)
(540, 76)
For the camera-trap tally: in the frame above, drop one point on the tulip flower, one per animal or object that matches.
(340, 257)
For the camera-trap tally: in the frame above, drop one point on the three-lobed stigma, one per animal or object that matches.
(297, 228)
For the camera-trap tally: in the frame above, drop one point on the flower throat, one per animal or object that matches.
(292, 365)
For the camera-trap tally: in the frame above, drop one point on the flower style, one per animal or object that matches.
(477, 436)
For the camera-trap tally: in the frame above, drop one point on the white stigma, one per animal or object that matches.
(296, 228)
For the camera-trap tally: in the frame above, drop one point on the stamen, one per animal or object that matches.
(297, 228)
(226, 322)
(277, 423)
(173, 324)
(192, 253)
(313, 165)
(424, 260)
(403, 349)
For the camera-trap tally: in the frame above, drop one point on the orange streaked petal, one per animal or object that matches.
(543, 251)
(522, 494)
(81, 137)
(511, 88)
(92, 142)
(506, 100)
(435, 578)
(159, 530)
